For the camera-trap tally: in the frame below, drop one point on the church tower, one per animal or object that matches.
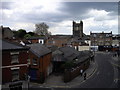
(78, 29)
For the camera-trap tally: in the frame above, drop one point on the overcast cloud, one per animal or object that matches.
(96, 16)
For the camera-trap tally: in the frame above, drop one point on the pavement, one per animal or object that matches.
(115, 60)
(54, 81)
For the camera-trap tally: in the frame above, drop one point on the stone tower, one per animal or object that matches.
(78, 29)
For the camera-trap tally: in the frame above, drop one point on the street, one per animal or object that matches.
(106, 75)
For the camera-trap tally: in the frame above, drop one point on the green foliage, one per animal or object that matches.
(21, 33)
(69, 64)
(27, 36)
(31, 33)
(15, 33)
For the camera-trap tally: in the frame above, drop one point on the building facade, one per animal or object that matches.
(41, 40)
(14, 65)
(40, 62)
(58, 40)
(78, 29)
(102, 40)
(6, 33)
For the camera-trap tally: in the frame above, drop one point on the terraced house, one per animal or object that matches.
(14, 65)
(102, 40)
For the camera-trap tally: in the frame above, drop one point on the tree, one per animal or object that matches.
(20, 33)
(15, 33)
(27, 36)
(42, 29)
(31, 33)
(69, 64)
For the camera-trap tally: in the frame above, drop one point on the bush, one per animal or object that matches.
(69, 65)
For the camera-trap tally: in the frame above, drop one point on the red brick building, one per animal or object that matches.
(38, 39)
(40, 62)
(58, 40)
(14, 63)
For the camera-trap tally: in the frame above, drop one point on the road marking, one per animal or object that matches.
(115, 64)
(89, 76)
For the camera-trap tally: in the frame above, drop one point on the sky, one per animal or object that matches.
(59, 15)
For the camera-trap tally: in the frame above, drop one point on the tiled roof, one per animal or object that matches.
(52, 47)
(69, 52)
(83, 55)
(39, 49)
(7, 45)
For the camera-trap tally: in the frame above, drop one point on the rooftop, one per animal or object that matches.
(7, 45)
(39, 49)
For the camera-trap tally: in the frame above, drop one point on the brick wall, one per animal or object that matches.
(72, 73)
(6, 75)
(57, 42)
(22, 71)
(6, 58)
(6, 65)
(23, 56)
(42, 66)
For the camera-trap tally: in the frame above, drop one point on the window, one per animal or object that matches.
(94, 35)
(28, 61)
(53, 42)
(34, 61)
(41, 41)
(14, 58)
(77, 28)
(107, 35)
(76, 59)
(101, 36)
(15, 74)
